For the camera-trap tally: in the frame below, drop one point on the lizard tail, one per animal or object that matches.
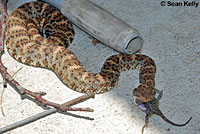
(172, 123)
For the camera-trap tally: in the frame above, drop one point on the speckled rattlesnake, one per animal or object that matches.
(24, 42)
(38, 35)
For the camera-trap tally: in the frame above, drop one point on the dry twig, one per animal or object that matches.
(1, 102)
(1, 97)
(43, 114)
(21, 90)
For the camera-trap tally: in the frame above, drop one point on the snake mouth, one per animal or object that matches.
(142, 105)
(152, 107)
(139, 104)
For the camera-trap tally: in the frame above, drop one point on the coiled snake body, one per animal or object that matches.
(24, 31)
(38, 35)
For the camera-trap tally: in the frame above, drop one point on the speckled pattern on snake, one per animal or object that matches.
(38, 35)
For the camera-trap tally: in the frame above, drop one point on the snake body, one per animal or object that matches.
(38, 35)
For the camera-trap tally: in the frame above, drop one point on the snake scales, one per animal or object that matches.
(38, 35)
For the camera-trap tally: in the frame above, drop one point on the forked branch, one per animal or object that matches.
(7, 78)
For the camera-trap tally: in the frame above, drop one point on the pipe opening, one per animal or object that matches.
(133, 45)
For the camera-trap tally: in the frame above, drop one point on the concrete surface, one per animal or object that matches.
(172, 39)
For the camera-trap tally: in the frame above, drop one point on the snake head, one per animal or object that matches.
(144, 93)
(152, 107)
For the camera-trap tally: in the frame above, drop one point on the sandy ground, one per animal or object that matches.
(172, 39)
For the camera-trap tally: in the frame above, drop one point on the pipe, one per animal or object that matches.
(56, 3)
(100, 24)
